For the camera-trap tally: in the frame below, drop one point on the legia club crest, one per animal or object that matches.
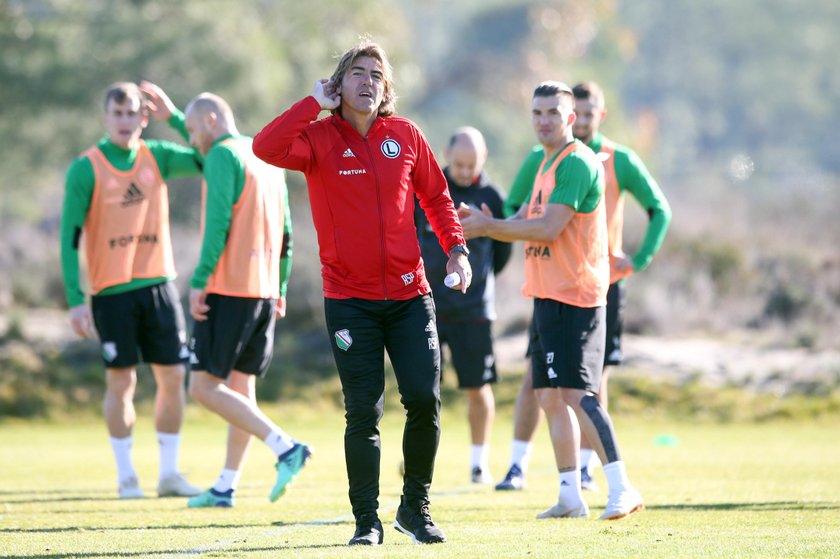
(343, 339)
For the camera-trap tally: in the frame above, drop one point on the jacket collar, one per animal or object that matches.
(345, 127)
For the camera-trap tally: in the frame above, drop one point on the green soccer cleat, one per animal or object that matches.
(289, 464)
(212, 498)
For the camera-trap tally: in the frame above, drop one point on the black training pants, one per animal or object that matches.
(360, 332)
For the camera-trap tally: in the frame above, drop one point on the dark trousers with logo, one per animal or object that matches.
(360, 332)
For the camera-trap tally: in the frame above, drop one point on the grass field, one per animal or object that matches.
(714, 490)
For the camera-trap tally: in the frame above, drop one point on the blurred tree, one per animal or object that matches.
(489, 56)
(729, 78)
(58, 57)
(707, 92)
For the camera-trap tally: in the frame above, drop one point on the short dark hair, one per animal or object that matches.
(589, 90)
(120, 91)
(551, 88)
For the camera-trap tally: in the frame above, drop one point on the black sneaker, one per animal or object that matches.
(368, 531)
(416, 523)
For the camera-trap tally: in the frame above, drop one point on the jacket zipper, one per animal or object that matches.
(381, 220)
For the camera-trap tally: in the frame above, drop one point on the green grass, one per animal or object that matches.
(715, 490)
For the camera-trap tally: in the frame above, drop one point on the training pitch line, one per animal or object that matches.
(273, 532)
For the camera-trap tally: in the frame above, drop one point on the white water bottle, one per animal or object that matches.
(452, 281)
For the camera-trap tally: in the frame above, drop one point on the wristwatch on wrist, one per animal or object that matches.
(459, 248)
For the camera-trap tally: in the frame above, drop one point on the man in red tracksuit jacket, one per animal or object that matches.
(363, 167)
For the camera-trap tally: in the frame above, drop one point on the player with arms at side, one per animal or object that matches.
(117, 201)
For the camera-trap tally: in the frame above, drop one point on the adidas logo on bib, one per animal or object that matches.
(132, 196)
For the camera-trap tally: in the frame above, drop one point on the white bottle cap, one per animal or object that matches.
(452, 280)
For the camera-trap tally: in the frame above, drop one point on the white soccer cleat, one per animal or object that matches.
(177, 485)
(130, 489)
(561, 510)
(623, 503)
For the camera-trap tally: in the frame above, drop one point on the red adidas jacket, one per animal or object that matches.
(361, 190)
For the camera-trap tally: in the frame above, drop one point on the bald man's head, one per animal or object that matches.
(466, 155)
(208, 118)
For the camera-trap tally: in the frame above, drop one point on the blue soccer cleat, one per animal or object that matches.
(514, 480)
(586, 481)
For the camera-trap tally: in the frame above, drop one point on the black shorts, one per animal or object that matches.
(567, 345)
(616, 301)
(144, 325)
(237, 335)
(471, 346)
(532, 337)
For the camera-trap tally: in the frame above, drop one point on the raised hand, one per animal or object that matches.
(327, 95)
(158, 103)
